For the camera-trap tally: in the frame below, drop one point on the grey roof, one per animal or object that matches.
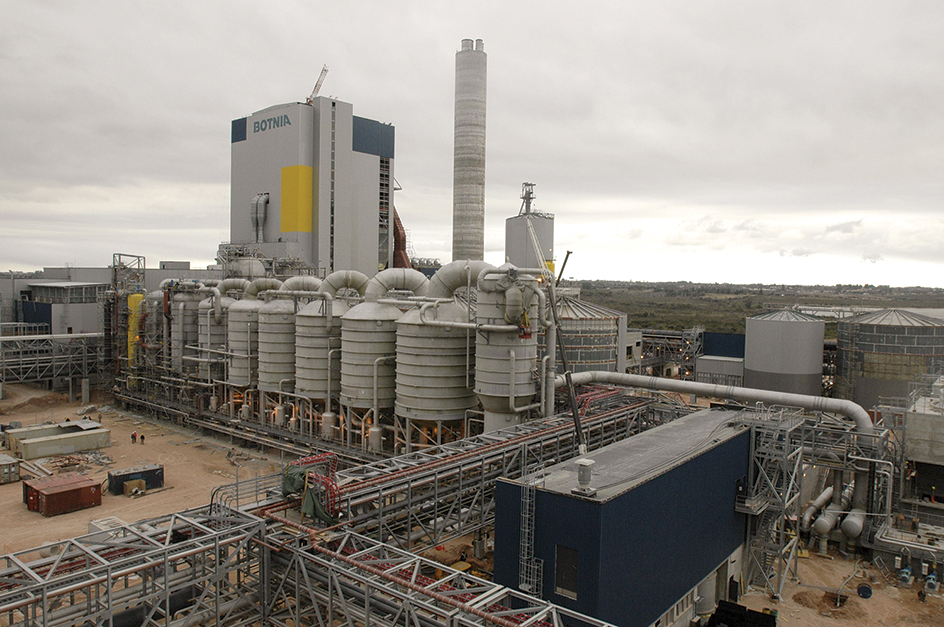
(576, 309)
(66, 284)
(624, 465)
(897, 318)
(786, 315)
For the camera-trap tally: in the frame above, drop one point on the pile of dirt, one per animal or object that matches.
(37, 403)
(825, 604)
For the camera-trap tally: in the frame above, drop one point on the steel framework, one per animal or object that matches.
(41, 358)
(203, 565)
(354, 581)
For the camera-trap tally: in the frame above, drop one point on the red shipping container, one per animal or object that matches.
(32, 487)
(61, 494)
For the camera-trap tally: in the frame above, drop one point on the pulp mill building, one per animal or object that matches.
(482, 401)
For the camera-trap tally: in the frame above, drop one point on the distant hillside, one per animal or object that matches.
(723, 307)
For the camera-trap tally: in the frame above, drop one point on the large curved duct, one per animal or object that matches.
(813, 403)
(345, 279)
(819, 503)
(261, 285)
(827, 520)
(227, 285)
(303, 283)
(454, 275)
(396, 279)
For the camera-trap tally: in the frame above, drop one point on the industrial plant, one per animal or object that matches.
(608, 475)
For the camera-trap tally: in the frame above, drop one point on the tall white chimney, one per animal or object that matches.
(468, 183)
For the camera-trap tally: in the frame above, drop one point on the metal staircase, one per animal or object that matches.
(772, 499)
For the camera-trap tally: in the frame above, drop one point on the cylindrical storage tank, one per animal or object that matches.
(242, 336)
(880, 353)
(277, 346)
(369, 333)
(433, 364)
(313, 342)
(783, 352)
(593, 337)
(212, 334)
(505, 356)
(184, 331)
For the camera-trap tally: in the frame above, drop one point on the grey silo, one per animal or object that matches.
(784, 352)
(468, 187)
(277, 346)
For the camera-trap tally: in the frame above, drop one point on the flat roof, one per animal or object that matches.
(66, 284)
(622, 466)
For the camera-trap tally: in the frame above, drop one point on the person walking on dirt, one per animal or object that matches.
(134, 437)
(142, 438)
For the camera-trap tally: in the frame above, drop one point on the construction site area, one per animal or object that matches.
(318, 430)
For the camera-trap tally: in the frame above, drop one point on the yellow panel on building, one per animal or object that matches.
(296, 199)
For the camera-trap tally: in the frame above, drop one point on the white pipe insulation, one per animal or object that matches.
(818, 503)
(345, 279)
(396, 279)
(454, 275)
(303, 283)
(813, 403)
(827, 520)
(261, 285)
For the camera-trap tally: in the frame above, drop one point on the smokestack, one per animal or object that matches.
(468, 183)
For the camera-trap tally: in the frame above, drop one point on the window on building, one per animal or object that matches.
(565, 571)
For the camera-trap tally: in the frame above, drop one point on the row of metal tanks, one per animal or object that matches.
(396, 342)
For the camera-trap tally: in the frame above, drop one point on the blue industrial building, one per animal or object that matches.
(657, 520)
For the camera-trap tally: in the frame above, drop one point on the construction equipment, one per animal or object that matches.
(314, 92)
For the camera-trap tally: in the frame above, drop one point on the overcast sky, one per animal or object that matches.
(775, 142)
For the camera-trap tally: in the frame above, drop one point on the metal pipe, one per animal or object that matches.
(377, 363)
(818, 503)
(814, 403)
(500, 328)
(511, 387)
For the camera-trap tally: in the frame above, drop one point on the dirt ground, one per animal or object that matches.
(193, 466)
(805, 605)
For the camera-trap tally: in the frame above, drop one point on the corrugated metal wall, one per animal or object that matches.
(638, 552)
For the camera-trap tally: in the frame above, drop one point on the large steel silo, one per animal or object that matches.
(433, 364)
(369, 345)
(594, 337)
(783, 352)
(506, 345)
(277, 346)
(317, 333)
(880, 352)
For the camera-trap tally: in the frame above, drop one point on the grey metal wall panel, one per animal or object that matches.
(373, 138)
(810, 384)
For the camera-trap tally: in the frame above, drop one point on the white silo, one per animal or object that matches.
(506, 347)
(184, 332)
(212, 332)
(468, 187)
(784, 352)
(317, 334)
(277, 346)
(433, 385)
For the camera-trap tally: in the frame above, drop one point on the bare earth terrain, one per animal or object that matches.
(805, 605)
(193, 466)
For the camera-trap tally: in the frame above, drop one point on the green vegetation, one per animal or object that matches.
(723, 307)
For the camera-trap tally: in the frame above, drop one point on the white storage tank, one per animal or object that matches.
(212, 334)
(277, 346)
(242, 334)
(594, 336)
(433, 364)
(505, 360)
(314, 339)
(783, 352)
(184, 331)
(368, 333)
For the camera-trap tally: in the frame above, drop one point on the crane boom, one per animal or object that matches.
(314, 92)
